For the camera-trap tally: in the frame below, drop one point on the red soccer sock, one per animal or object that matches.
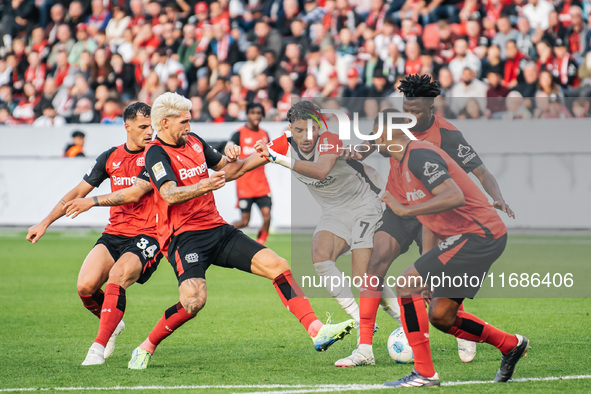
(262, 237)
(472, 328)
(294, 300)
(416, 327)
(369, 301)
(93, 302)
(173, 318)
(111, 313)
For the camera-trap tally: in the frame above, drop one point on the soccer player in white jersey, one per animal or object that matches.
(347, 191)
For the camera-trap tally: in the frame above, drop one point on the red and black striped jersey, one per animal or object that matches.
(122, 167)
(186, 165)
(423, 168)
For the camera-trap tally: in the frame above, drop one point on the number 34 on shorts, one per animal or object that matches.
(148, 250)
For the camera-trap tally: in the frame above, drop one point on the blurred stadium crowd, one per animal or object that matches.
(82, 61)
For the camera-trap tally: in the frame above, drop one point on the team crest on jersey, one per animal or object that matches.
(140, 162)
(248, 140)
(192, 258)
(430, 168)
(116, 165)
(463, 151)
(197, 148)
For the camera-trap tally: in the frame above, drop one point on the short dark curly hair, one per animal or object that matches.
(418, 86)
(135, 109)
(304, 109)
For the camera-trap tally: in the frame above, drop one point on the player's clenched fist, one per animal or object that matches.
(216, 180)
(262, 148)
(35, 232)
(393, 203)
(232, 151)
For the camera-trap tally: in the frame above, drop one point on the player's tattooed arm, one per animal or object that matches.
(173, 194)
(120, 197)
(491, 186)
(35, 232)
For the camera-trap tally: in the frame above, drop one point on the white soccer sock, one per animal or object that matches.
(342, 293)
(390, 305)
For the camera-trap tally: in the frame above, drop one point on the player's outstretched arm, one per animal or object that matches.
(235, 168)
(446, 196)
(35, 232)
(491, 186)
(317, 170)
(173, 194)
(120, 197)
(357, 152)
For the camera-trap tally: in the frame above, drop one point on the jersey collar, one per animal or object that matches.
(133, 152)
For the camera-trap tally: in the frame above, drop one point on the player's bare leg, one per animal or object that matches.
(93, 274)
(193, 295)
(264, 231)
(244, 220)
(125, 272)
(268, 264)
(326, 248)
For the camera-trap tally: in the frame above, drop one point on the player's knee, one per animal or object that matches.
(194, 304)
(86, 288)
(122, 276)
(441, 319)
(402, 290)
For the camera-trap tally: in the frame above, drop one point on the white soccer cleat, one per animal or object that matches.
(466, 350)
(140, 359)
(110, 348)
(357, 359)
(95, 355)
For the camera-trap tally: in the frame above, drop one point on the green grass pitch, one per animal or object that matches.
(244, 336)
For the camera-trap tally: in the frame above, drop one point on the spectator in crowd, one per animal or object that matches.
(255, 64)
(526, 37)
(529, 85)
(49, 118)
(537, 12)
(556, 109)
(76, 147)
(514, 64)
(25, 109)
(581, 107)
(496, 92)
(471, 110)
(84, 112)
(515, 108)
(84, 44)
(64, 43)
(547, 84)
(152, 89)
(57, 15)
(564, 66)
(505, 34)
(463, 59)
(468, 86)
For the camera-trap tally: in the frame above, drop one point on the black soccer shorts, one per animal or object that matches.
(457, 267)
(404, 230)
(245, 204)
(192, 252)
(143, 246)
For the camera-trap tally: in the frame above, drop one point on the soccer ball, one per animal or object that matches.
(398, 347)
